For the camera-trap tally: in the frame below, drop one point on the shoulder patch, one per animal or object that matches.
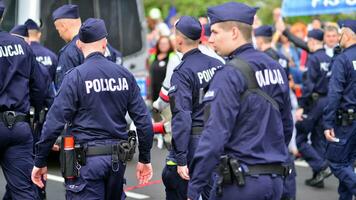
(172, 89)
(209, 95)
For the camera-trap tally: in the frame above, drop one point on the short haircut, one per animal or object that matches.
(267, 40)
(187, 40)
(330, 28)
(245, 29)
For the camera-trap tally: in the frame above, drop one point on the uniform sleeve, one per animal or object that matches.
(68, 59)
(39, 84)
(309, 83)
(139, 114)
(180, 96)
(287, 118)
(222, 100)
(60, 113)
(336, 88)
(296, 41)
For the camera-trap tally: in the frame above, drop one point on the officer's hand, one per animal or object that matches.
(330, 135)
(144, 172)
(183, 172)
(299, 114)
(55, 147)
(38, 174)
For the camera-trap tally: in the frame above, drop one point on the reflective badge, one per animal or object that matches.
(209, 95)
(354, 63)
(172, 89)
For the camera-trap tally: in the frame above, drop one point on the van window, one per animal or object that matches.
(123, 24)
(121, 18)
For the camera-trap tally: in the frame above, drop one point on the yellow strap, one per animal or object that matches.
(171, 163)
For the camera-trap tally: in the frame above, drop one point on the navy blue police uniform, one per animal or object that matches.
(70, 56)
(253, 130)
(43, 55)
(289, 188)
(94, 98)
(267, 31)
(189, 81)
(313, 101)
(20, 85)
(339, 115)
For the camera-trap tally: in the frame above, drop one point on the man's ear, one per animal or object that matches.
(235, 33)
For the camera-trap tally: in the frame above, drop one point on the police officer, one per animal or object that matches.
(20, 85)
(263, 35)
(67, 22)
(339, 115)
(251, 128)
(309, 115)
(94, 99)
(48, 60)
(43, 54)
(188, 82)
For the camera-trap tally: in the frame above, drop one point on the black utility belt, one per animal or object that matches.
(73, 158)
(10, 118)
(345, 117)
(271, 169)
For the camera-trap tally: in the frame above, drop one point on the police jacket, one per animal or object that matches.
(342, 86)
(249, 129)
(94, 98)
(190, 79)
(22, 80)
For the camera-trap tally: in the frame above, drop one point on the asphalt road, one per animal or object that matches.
(155, 189)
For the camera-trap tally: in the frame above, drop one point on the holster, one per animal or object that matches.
(229, 171)
(68, 161)
(345, 117)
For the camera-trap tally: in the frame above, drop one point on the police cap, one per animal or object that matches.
(189, 26)
(68, 11)
(232, 11)
(348, 23)
(92, 30)
(20, 30)
(31, 25)
(264, 31)
(316, 34)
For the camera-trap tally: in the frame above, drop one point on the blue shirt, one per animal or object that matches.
(22, 80)
(189, 82)
(342, 86)
(318, 75)
(95, 98)
(252, 130)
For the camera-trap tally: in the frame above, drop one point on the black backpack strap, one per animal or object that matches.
(250, 78)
